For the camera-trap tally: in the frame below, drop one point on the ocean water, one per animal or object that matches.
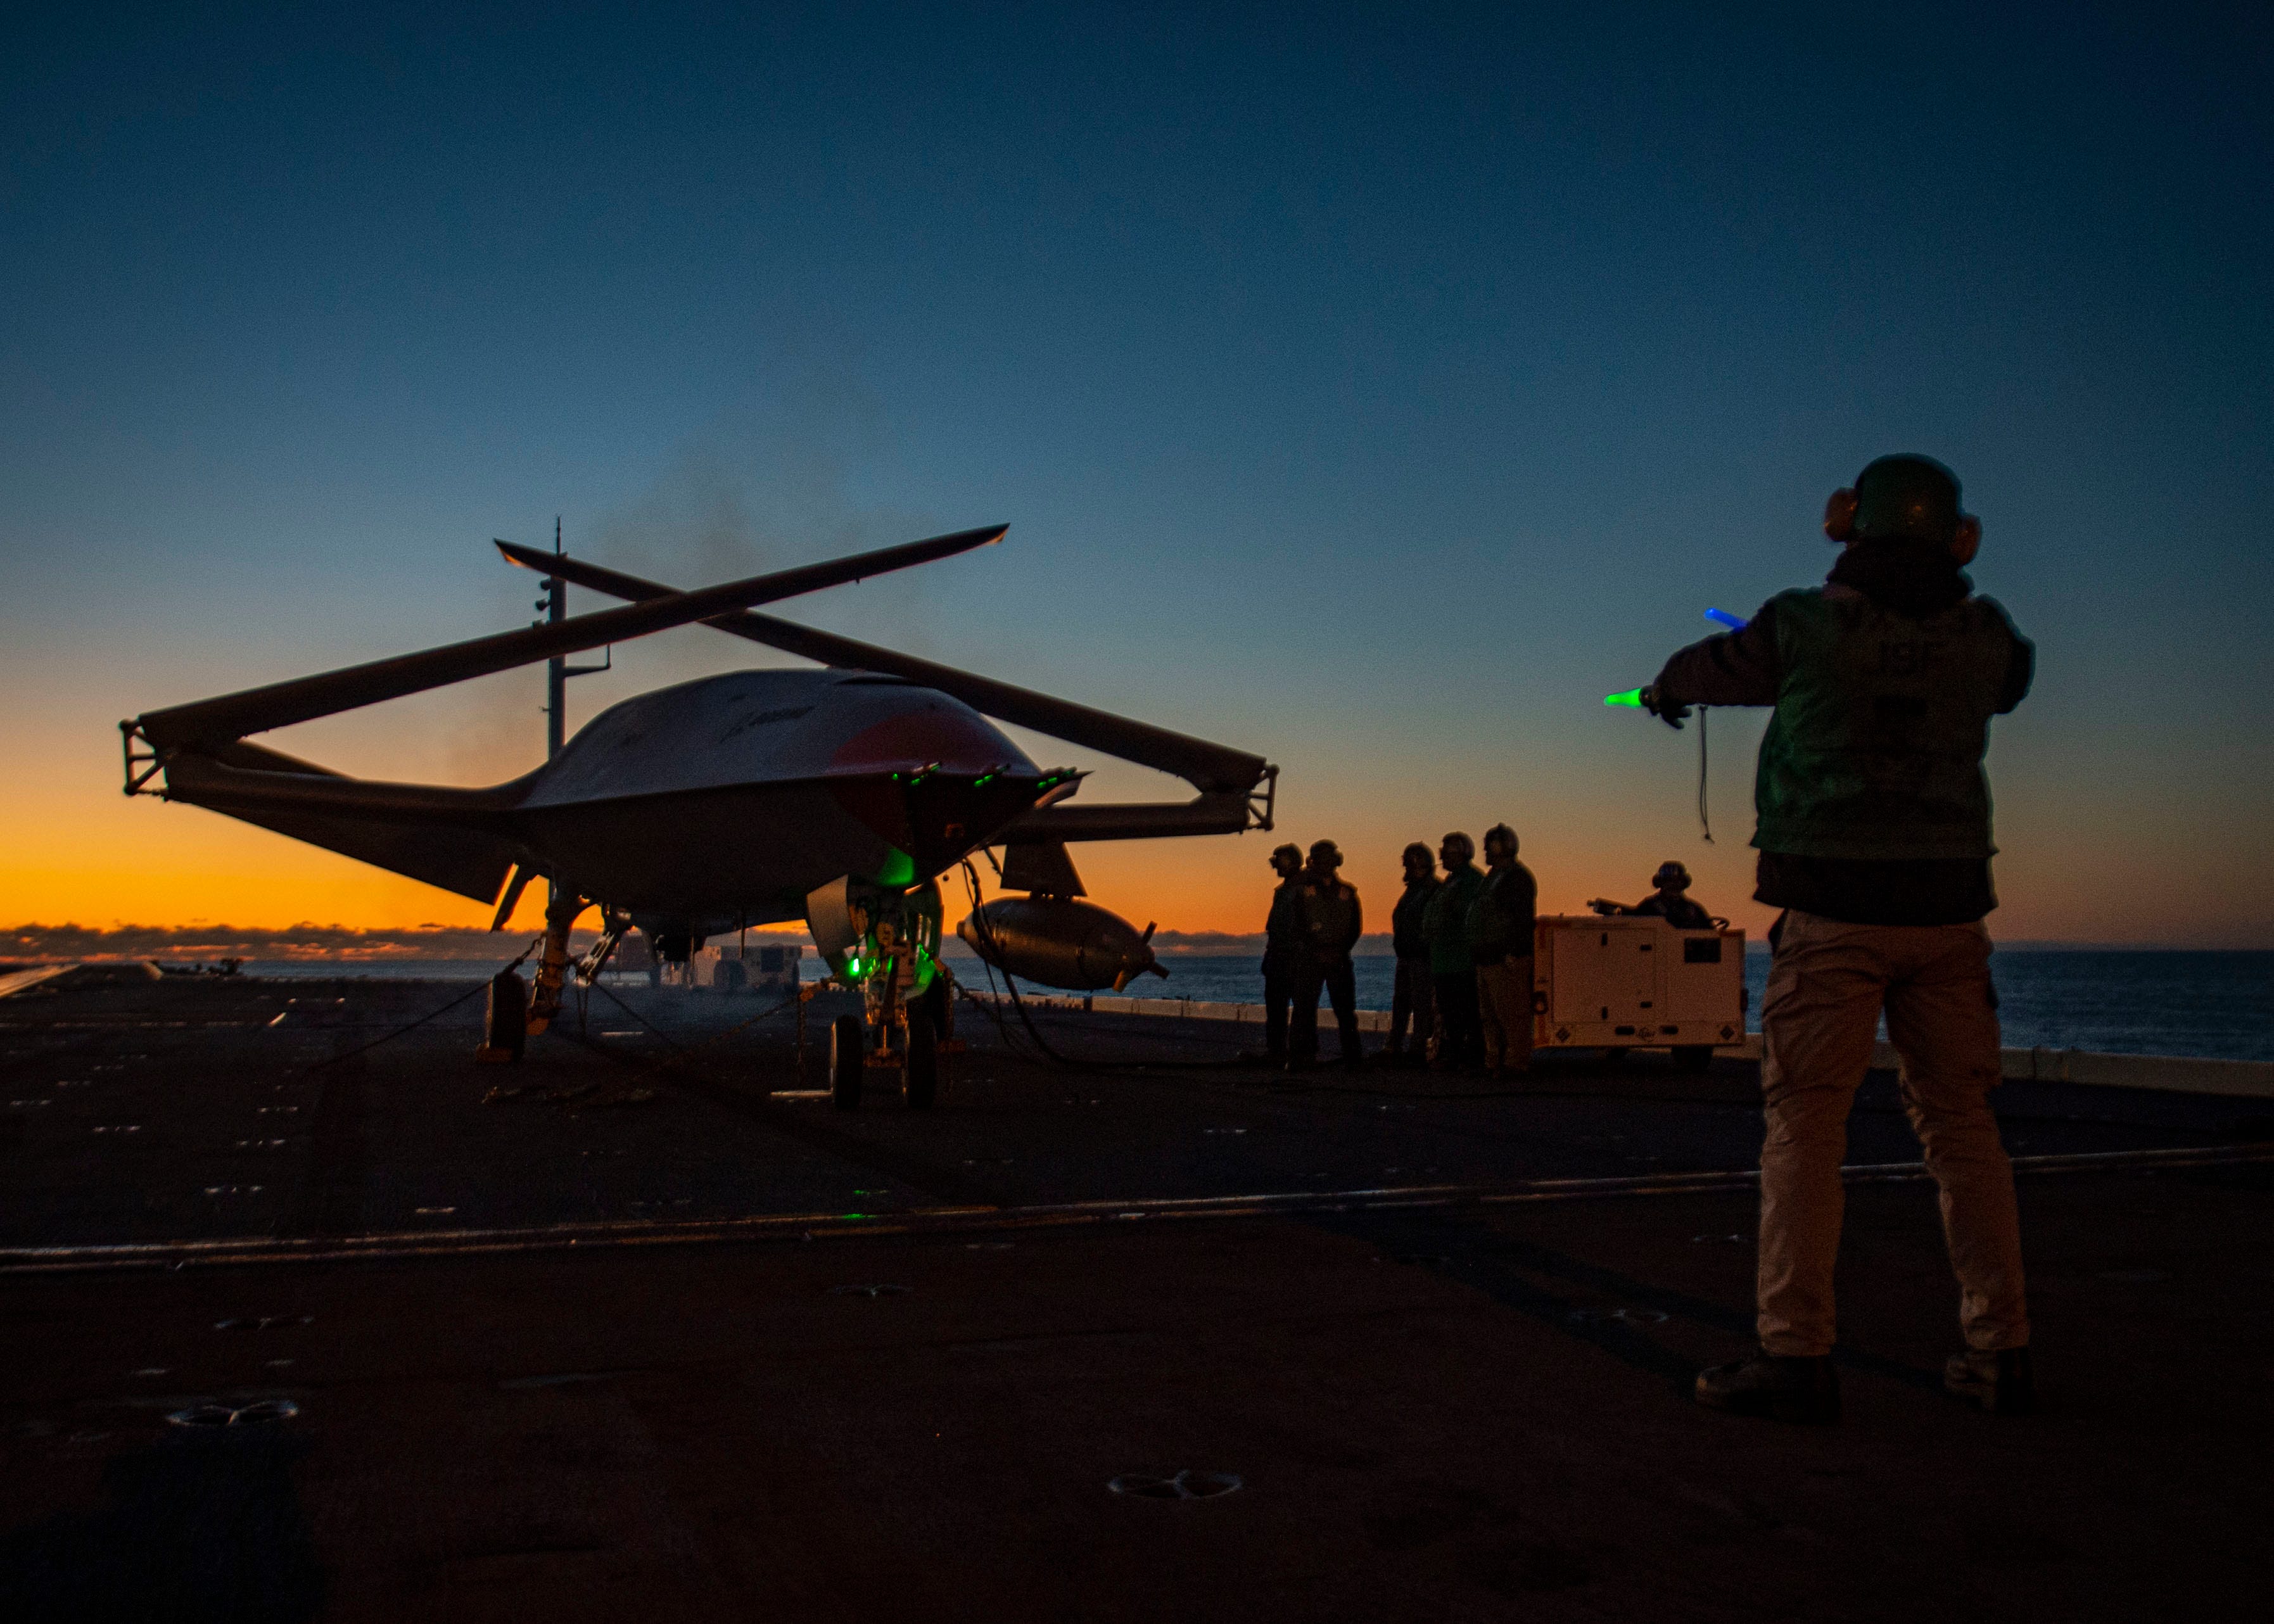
(391, 969)
(2211, 1005)
(2219, 1005)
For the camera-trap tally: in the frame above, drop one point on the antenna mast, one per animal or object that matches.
(554, 606)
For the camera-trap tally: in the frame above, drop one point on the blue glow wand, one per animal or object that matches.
(1633, 698)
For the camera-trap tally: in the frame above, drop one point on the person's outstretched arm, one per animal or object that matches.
(2021, 666)
(1736, 668)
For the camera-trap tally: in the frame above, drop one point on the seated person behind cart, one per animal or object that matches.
(1667, 902)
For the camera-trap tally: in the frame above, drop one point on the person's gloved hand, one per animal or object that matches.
(1665, 707)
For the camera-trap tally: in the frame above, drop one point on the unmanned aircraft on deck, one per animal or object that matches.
(835, 797)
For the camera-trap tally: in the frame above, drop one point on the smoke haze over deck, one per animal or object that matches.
(1372, 394)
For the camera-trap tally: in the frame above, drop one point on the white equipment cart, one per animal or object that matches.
(1634, 982)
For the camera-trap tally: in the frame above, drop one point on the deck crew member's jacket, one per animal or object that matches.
(1407, 937)
(1501, 918)
(1332, 921)
(1873, 803)
(1284, 931)
(1445, 920)
(1682, 912)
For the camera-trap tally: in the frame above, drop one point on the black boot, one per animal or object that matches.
(2001, 1382)
(1786, 1387)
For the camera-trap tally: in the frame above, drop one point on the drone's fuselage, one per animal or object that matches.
(730, 799)
(693, 808)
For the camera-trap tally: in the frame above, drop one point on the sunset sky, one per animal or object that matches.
(1373, 389)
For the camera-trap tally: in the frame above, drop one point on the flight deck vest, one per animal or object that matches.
(1875, 749)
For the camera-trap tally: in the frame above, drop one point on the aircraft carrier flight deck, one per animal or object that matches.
(308, 1315)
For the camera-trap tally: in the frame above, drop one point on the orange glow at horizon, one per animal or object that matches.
(2132, 868)
(148, 863)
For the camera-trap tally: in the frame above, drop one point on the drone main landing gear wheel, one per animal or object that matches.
(848, 1057)
(921, 1084)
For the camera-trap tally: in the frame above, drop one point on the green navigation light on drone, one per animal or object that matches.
(1632, 698)
(899, 869)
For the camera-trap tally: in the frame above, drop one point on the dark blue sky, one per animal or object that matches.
(1373, 390)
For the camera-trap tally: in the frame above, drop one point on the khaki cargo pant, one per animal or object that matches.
(1504, 1000)
(1819, 1017)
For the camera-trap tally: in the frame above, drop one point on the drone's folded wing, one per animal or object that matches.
(208, 723)
(1211, 768)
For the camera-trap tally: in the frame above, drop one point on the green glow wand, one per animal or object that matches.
(1633, 699)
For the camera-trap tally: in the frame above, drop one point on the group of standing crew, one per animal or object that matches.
(1462, 997)
(1315, 920)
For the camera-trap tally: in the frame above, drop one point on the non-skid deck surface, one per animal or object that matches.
(1470, 1411)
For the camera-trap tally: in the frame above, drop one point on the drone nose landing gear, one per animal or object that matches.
(905, 1037)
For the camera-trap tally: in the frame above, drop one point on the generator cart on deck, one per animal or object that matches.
(1635, 981)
